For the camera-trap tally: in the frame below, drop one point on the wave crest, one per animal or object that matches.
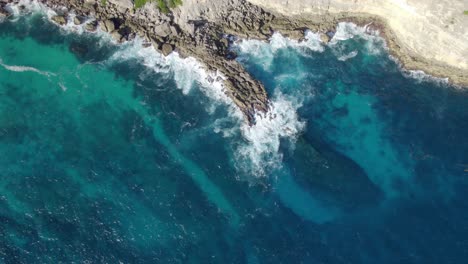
(262, 152)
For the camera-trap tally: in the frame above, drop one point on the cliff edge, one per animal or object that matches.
(424, 34)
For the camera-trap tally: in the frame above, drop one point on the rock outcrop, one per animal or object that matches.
(203, 29)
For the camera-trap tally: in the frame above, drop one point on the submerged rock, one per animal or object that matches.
(78, 49)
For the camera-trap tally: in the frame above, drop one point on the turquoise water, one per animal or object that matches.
(114, 153)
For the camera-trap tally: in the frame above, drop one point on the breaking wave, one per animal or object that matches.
(265, 51)
(258, 151)
(374, 43)
(262, 151)
(421, 76)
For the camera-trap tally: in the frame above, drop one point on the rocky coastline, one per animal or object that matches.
(207, 35)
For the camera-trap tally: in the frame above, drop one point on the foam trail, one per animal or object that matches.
(348, 56)
(16, 68)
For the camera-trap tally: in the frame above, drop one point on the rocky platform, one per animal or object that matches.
(199, 28)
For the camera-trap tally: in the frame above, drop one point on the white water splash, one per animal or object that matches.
(27, 7)
(19, 68)
(265, 51)
(262, 149)
(311, 42)
(374, 43)
(421, 76)
(187, 72)
(259, 148)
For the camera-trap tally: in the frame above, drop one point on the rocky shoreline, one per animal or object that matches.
(207, 34)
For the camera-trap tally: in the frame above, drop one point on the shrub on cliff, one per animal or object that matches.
(163, 5)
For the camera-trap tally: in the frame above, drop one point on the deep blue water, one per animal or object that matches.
(113, 153)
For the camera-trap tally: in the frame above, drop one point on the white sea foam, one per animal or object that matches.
(260, 147)
(19, 68)
(421, 76)
(348, 56)
(29, 6)
(261, 151)
(311, 41)
(71, 27)
(265, 51)
(187, 72)
(374, 44)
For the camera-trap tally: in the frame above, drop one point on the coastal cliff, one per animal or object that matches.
(205, 29)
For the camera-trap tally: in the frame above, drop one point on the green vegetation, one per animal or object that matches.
(140, 3)
(163, 5)
(103, 2)
(465, 12)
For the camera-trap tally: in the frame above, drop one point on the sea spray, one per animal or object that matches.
(374, 43)
(259, 151)
(264, 51)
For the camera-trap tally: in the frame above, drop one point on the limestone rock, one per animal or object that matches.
(91, 26)
(78, 20)
(162, 30)
(116, 35)
(110, 26)
(324, 38)
(59, 19)
(166, 49)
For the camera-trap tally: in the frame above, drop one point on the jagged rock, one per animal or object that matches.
(3, 13)
(324, 38)
(116, 35)
(174, 31)
(78, 49)
(107, 26)
(200, 38)
(59, 19)
(162, 30)
(78, 20)
(166, 49)
(91, 26)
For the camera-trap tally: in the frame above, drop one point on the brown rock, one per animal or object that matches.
(166, 49)
(61, 20)
(78, 20)
(91, 26)
(108, 25)
(324, 38)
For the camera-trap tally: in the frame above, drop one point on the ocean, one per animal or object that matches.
(115, 154)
